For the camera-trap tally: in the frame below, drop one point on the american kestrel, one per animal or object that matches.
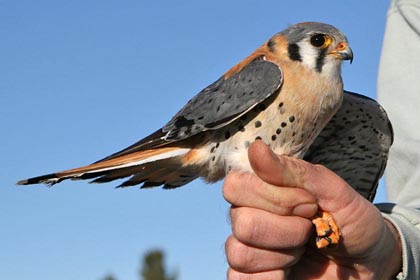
(284, 94)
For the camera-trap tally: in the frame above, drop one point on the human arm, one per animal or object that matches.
(406, 221)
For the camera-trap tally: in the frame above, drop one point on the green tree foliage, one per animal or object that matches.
(153, 267)
(109, 277)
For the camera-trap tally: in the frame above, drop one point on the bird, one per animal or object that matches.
(285, 93)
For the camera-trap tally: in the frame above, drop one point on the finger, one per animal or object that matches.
(292, 172)
(266, 275)
(273, 169)
(264, 230)
(247, 190)
(247, 259)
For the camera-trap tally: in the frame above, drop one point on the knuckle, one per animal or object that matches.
(237, 254)
(244, 225)
(319, 168)
(301, 168)
(230, 187)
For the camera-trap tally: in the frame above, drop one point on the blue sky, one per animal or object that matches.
(82, 79)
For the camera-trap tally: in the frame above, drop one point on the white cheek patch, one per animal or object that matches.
(331, 67)
(308, 54)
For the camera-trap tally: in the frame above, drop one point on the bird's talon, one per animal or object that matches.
(322, 243)
(327, 231)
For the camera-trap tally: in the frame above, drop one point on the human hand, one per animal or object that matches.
(271, 227)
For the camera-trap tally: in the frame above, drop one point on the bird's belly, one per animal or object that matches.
(228, 148)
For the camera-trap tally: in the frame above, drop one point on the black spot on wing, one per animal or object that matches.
(181, 121)
(356, 148)
(225, 100)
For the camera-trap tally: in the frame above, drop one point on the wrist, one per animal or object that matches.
(390, 252)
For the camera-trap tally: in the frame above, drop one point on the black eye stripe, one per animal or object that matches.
(294, 52)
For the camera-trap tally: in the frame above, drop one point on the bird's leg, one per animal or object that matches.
(327, 231)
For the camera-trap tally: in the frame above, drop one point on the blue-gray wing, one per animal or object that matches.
(225, 100)
(355, 143)
(215, 106)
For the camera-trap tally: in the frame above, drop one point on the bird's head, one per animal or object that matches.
(319, 46)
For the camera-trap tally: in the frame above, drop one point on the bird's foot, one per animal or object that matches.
(327, 231)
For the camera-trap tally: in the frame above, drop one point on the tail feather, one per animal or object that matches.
(156, 174)
(120, 167)
(49, 179)
(118, 174)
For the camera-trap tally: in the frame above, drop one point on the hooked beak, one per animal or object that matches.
(344, 52)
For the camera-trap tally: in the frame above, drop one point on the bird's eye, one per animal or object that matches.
(319, 40)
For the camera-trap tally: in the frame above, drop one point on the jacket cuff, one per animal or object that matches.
(407, 223)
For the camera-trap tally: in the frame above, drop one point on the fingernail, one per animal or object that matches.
(305, 210)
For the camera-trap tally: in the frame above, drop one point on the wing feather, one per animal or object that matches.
(355, 143)
(225, 100)
(215, 106)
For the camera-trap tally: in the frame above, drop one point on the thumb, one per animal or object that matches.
(325, 185)
(274, 169)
